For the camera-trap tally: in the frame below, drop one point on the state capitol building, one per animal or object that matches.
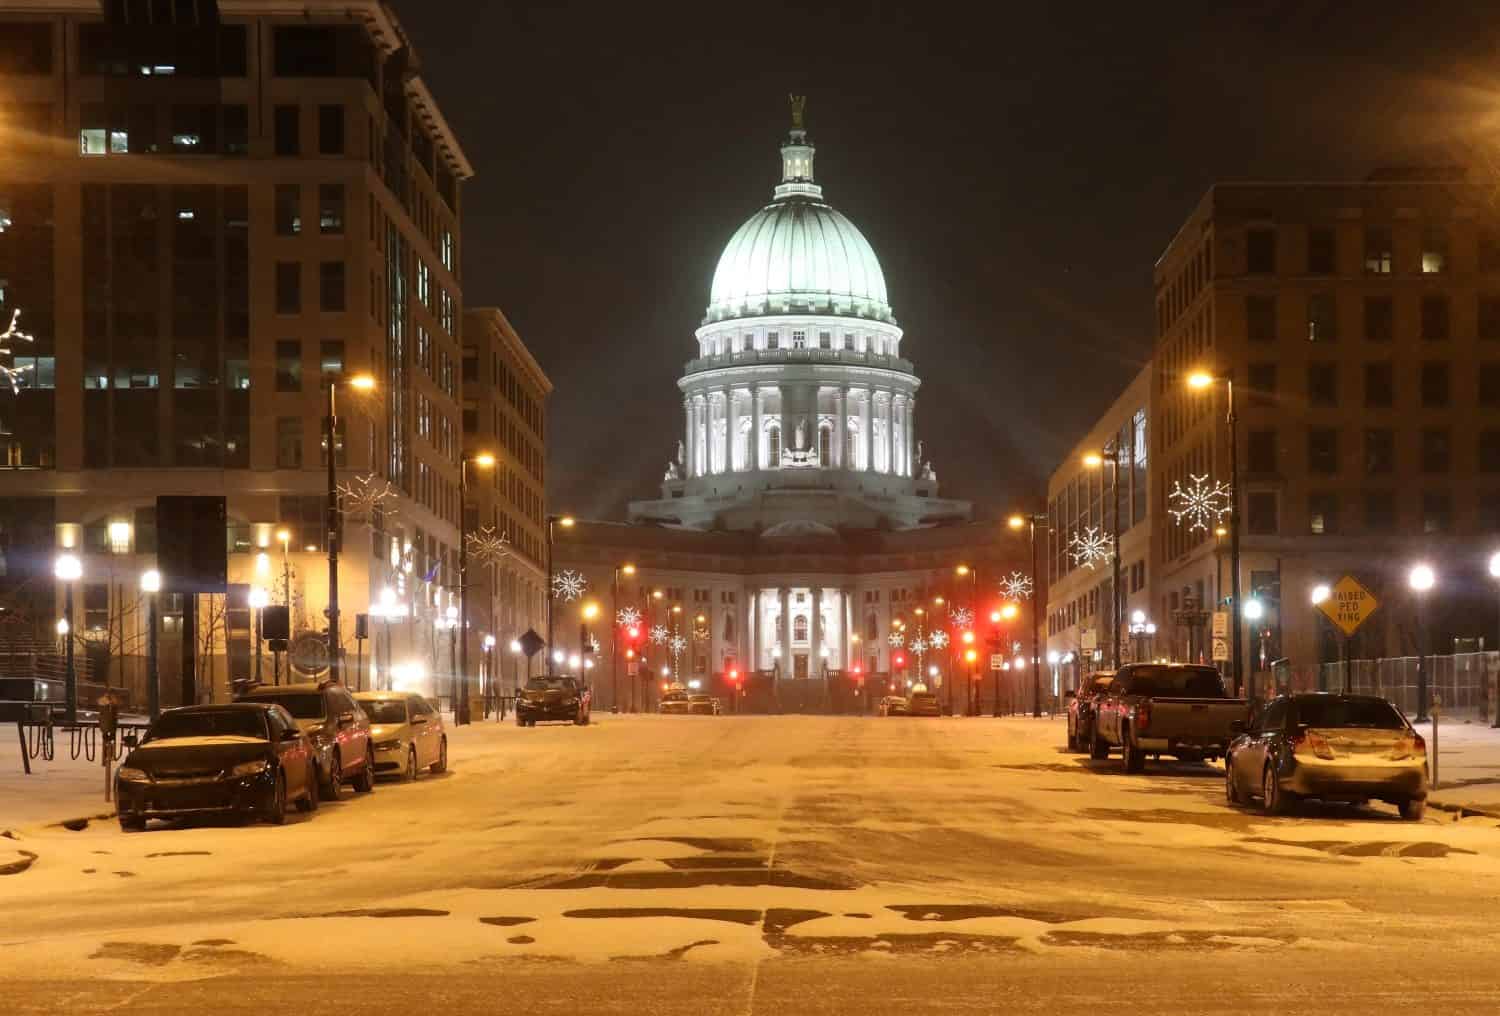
(799, 522)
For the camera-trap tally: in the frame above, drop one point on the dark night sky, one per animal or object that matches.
(1017, 171)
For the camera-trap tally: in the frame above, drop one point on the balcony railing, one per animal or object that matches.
(816, 356)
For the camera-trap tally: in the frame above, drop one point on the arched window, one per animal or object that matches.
(825, 444)
(799, 628)
(773, 447)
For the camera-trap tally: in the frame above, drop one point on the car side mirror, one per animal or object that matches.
(418, 719)
(1237, 727)
(290, 735)
(346, 719)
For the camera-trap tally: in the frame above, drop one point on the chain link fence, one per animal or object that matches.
(1464, 683)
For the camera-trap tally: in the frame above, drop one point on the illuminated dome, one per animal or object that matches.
(798, 254)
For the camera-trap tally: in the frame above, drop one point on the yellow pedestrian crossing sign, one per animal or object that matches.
(1349, 604)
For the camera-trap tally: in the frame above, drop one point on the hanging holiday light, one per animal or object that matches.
(896, 639)
(627, 617)
(569, 586)
(1090, 546)
(1198, 503)
(938, 640)
(12, 333)
(659, 634)
(487, 548)
(1016, 586)
(364, 497)
(962, 617)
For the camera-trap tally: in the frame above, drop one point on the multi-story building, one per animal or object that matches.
(505, 413)
(1083, 494)
(1360, 326)
(208, 212)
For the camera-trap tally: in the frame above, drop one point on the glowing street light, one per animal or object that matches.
(1421, 579)
(1320, 594)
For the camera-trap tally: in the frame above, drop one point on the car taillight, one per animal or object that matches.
(1143, 716)
(1315, 743)
(1409, 746)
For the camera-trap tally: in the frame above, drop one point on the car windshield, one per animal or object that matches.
(1334, 711)
(209, 723)
(1188, 682)
(306, 705)
(550, 684)
(1101, 684)
(387, 711)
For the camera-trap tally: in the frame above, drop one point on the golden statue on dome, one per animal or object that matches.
(799, 103)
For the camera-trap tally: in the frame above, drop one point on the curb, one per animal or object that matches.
(1464, 810)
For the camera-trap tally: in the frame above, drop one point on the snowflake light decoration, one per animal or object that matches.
(365, 496)
(1016, 586)
(1198, 503)
(1090, 546)
(963, 617)
(12, 332)
(938, 640)
(625, 617)
(896, 639)
(568, 586)
(677, 644)
(593, 644)
(659, 635)
(487, 548)
(918, 645)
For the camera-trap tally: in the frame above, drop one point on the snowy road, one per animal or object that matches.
(764, 865)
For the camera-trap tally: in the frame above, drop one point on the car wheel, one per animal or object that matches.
(1098, 747)
(132, 824)
(1272, 799)
(334, 780)
(276, 814)
(519, 721)
(365, 781)
(1135, 758)
(1231, 788)
(1412, 810)
(310, 801)
(411, 766)
(441, 765)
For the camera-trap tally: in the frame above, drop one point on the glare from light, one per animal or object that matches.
(1495, 564)
(1137, 617)
(1199, 379)
(558, 656)
(575, 661)
(1016, 522)
(362, 382)
(151, 581)
(1009, 611)
(285, 536)
(259, 598)
(262, 564)
(961, 570)
(1320, 594)
(483, 460)
(68, 568)
(62, 626)
(1253, 610)
(566, 521)
(515, 646)
(1422, 578)
(1053, 657)
(119, 537)
(695, 684)
(489, 642)
(1093, 460)
(628, 569)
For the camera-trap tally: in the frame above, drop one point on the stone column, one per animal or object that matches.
(785, 624)
(815, 658)
(687, 437)
(867, 433)
(722, 415)
(756, 640)
(700, 405)
(841, 429)
(731, 430)
(912, 465)
(890, 432)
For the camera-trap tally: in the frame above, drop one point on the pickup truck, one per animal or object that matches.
(1161, 709)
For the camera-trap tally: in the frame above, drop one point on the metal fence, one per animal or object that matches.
(1463, 683)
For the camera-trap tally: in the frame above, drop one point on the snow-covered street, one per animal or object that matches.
(764, 865)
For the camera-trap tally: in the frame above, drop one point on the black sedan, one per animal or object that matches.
(245, 759)
(557, 699)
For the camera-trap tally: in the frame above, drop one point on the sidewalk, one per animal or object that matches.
(56, 791)
(1468, 766)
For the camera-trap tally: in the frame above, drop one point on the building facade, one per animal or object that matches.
(799, 523)
(1360, 324)
(211, 212)
(505, 413)
(1083, 495)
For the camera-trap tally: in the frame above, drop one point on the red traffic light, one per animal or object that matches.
(900, 660)
(734, 675)
(633, 632)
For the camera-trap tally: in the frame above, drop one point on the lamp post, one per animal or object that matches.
(151, 585)
(481, 460)
(614, 638)
(566, 521)
(68, 570)
(1032, 522)
(1096, 460)
(1495, 573)
(259, 599)
(1141, 631)
(1005, 613)
(1319, 595)
(1253, 611)
(361, 383)
(1421, 579)
(1200, 381)
(963, 571)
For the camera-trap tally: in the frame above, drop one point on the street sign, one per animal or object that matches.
(1221, 626)
(1221, 649)
(531, 643)
(997, 661)
(1349, 604)
(1088, 640)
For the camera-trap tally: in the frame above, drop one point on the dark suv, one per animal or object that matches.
(337, 727)
(552, 698)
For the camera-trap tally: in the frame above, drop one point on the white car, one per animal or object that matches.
(407, 732)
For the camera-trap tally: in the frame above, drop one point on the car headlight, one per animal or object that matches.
(130, 774)
(391, 745)
(249, 768)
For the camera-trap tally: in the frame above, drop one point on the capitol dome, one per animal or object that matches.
(798, 254)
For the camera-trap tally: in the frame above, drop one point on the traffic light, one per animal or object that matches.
(899, 659)
(633, 632)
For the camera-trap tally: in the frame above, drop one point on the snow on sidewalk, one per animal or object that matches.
(56, 791)
(1468, 765)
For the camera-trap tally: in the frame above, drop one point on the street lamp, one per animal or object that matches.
(1495, 573)
(1200, 381)
(359, 383)
(259, 599)
(1095, 460)
(567, 522)
(69, 570)
(1421, 579)
(480, 460)
(151, 585)
(1253, 611)
(1032, 522)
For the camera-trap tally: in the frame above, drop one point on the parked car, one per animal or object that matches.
(555, 699)
(674, 701)
(923, 703)
(894, 705)
(1330, 747)
(703, 705)
(338, 727)
(1081, 709)
(407, 732)
(248, 759)
(1161, 709)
